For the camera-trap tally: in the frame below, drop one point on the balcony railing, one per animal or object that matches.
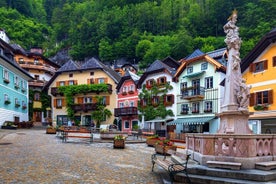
(84, 107)
(193, 92)
(125, 111)
(37, 66)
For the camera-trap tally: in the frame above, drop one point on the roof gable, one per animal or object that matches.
(268, 39)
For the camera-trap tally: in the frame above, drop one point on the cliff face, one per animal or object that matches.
(61, 57)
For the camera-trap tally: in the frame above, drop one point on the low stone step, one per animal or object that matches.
(224, 165)
(266, 166)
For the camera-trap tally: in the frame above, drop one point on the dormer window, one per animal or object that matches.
(189, 69)
(35, 61)
(204, 66)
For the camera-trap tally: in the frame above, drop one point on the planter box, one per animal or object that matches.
(111, 135)
(51, 131)
(119, 144)
(152, 141)
(164, 150)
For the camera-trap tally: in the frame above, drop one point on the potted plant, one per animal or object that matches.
(51, 130)
(162, 146)
(151, 140)
(119, 141)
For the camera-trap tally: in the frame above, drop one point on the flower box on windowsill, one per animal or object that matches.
(17, 105)
(7, 81)
(124, 93)
(24, 107)
(261, 107)
(7, 102)
(195, 112)
(16, 86)
(184, 112)
(131, 92)
(208, 110)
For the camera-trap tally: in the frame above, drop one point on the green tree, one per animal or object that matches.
(101, 113)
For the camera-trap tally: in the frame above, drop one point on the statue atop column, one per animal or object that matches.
(235, 97)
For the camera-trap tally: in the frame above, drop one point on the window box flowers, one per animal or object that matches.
(119, 141)
(152, 140)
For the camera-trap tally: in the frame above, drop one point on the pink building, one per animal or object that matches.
(127, 101)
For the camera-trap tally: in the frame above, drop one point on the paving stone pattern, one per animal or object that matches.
(31, 156)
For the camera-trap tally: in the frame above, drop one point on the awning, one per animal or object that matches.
(158, 120)
(192, 120)
(194, 74)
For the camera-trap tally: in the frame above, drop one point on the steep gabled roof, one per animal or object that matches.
(268, 39)
(156, 67)
(128, 76)
(196, 56)
(90, 64)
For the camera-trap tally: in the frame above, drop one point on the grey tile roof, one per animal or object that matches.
(68, 66)
(195, 54)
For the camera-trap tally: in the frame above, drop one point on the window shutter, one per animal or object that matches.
(88, 81)
(66, 83)
(94, 100)
(172, 98)
(75, 82)
(57, 84)
(252, 99)
(158, 81)
(251, 67)
(270, 96)
(107, 100)
(274, 60)
(63, 102)
(96, 81)
(55, 103)
(80, 100)
(265, 64)
(105, 80)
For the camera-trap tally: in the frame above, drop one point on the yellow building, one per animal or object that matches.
(259, 70)
(82, 74)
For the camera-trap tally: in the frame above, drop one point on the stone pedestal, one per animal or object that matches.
(234, 122)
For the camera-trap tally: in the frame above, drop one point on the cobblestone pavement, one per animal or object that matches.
(32, 156)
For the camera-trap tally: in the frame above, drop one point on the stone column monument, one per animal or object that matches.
(234, 109)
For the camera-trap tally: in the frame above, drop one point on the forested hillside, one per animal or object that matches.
(139, 30)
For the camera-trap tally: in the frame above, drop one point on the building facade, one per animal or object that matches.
(127, 103)
(89, 80)
(42, 70)
(258, 69)
(14, 91)
(199, 92)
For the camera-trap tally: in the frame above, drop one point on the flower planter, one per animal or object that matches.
(151, 141)
(163, 150)
(111, 135)
(119, 143)
(51, 131)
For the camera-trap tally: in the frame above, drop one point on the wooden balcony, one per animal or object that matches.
(54, 91)
(36, 83)
(84, 107)
(37, 66)
(194, 92)
(125, 111)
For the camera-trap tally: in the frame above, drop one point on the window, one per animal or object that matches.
(195, 107)
(24, 105)
(209, 82)
(36, 77)
(6, 75)
(204, 66)
(131, 104)
(16, 101)
(61, 83)
(183, 88)
(124, 89)
(35, 61)
(37, 96)
(91, 73)
(131, 88)
(189, 69)
(121, 104)
(261, 98)
(6, 99)
(126, 124)
(208, 106)
(101, 81)
(184, 109)
(161, 81)
(87, 100)
(258, 67)
(23, 86)
(169, 100)
(59, 103)
(16, 81)
(196, 87)
(90, 81)
(149, 83)
(71, 82)
(155, 100)
(71, 75)
(21, 60)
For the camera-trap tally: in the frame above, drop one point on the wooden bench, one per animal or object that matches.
(266, 166)
(65, 134)
(224, 165)
(171, 167)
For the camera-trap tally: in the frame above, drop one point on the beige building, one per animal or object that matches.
(85, 82)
